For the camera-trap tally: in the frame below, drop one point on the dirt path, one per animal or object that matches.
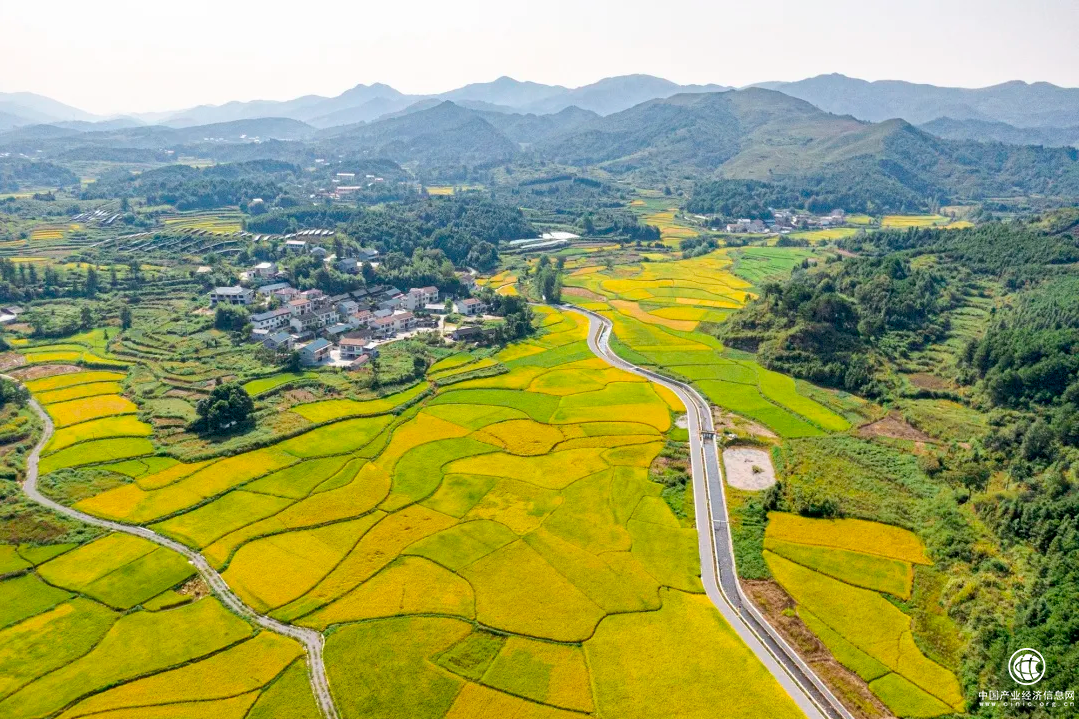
(311, 639)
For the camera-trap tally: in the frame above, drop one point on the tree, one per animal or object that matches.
(230, 318)
(86, 318)
(419, 366)
(125, 317)
(294, 362)
(91, 285)
(227, 406)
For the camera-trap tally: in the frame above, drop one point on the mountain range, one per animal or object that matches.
(1012, 112)
(750, 134)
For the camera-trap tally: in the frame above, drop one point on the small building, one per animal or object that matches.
(263, 270)
(470, 307)
(382, 327)
(347, 307)
(352, 347)
(348, 265)
(271, 320)
(367, 254)
(361, 319)
(467, 279)
(360, 361)
(417, 297)
(319, 252)
(470, 333)
(273, 288)
(300, 306)
(278, 342)
(315, 352)
(231, 296)
(296, 246)
(438, 308)
(335, 332)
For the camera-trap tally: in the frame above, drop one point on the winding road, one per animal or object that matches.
(312, 640)
(718, 572)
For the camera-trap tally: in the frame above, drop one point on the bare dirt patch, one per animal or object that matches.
(196, 588)
(8, 360)
(748, 468)
(924, 380)
(46, 370)
(894, 427)
(724, 420)
(582, 292)
(779, 609)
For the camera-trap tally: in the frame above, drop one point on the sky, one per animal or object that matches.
(117, 56)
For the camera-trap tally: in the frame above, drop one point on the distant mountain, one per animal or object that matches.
(505, 91)
(365, 103)
(529, 129)
(443, 134)
(768, 136)
(1016, 103)
(35, 108)
(615, 94)
(117, 123)
(983, 131)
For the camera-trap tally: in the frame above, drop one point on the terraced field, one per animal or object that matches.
(95, 423)
(657, 308)
(100, 629)
(838, 572)
(492, 546)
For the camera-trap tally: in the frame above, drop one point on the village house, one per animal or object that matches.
(469, 307)
(352, 347)
(263, 270)
(335, 332)
(300, 306)
(467, 279)
(361, 319)
(391, 300)
(273, 288)
(231, 296)
(278, 342)
(417, 297)
(319, 252)
(296, 245)
(315, 352)
(347, 307)
(271, 320)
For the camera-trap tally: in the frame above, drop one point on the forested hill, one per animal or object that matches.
(753, 134)
(857, 322)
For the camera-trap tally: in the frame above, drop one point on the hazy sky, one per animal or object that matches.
(112, 56)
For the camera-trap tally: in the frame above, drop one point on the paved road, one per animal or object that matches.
(311, 639)
(717, 556)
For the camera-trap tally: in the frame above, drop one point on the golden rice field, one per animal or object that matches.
(495, 549)
(440, 190)
(904, 221)
(671, 230)
(47, 233)
(657, 308)
(838, 572)
(218, 223)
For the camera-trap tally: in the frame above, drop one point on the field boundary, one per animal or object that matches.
(312, 640)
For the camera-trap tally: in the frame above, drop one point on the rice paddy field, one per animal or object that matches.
(488, 547)
(657, 309)
(114, 627)
(841, 573)
(217, 223)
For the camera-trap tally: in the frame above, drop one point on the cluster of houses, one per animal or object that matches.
(784, 221)
(354, 322)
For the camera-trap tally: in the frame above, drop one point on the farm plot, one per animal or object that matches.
(837, 571)
(494, 546)
(93, 641)
(516, 501)
(656, 311)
